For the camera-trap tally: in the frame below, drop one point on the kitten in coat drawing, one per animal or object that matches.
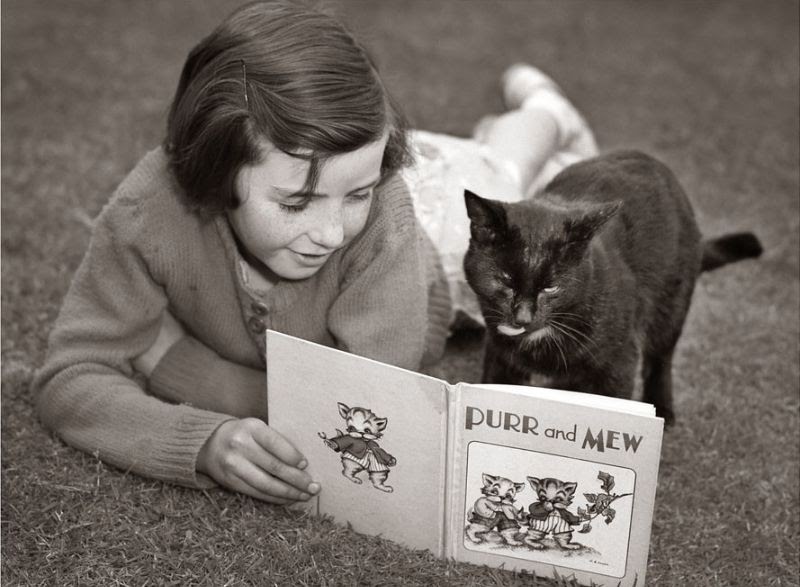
(580, 283)
(495, 510)
(360, 451)
(550, 513)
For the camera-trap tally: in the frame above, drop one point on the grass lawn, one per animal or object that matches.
(709, 87)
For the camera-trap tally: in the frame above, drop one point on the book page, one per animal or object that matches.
(374, 436)
(551, 486)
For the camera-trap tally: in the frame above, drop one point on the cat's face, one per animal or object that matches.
(553, 493)
(527, 262)
(362, 422)
(500, 489)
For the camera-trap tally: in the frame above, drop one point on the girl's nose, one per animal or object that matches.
(329, 229)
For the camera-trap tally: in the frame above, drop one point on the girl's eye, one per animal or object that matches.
(361, 196)
(293, 208)
(552, 289)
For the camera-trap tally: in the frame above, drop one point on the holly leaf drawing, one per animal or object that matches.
(608, 481)
(590, 497)
(603, 500)
(610, 513)
(586, 528)
(581, 512)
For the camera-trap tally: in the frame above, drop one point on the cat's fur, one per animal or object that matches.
(580, 282)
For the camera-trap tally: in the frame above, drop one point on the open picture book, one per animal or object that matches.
(520, 477)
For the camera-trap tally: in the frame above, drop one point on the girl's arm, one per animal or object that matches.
(187, 371)
(88, 393)
(86, 389)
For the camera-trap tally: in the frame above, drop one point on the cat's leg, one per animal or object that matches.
(510, 536)
(476, 532)
(563, 540)
(496, 369)
(378, 478)
(350, 469)
(657, 376)
(534, 539)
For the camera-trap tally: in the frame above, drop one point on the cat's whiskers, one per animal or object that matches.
(574, 331)
(554, 341)
(565, 331)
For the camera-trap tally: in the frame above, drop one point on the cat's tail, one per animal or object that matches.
(729, 248)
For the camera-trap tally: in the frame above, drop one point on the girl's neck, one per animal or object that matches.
(257, 275)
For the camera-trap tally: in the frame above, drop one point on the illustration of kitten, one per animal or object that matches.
(550, 514)
(359, 450)
(581, 281)
(495, 510)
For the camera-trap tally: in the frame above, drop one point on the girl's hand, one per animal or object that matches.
(170, 333)
(250, 457)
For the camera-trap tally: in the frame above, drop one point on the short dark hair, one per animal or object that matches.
(283, 72)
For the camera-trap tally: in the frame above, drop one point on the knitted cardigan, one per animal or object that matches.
(382, 296)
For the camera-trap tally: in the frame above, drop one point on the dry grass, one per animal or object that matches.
(711, 88)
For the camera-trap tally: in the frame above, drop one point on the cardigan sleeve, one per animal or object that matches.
(192, 373)
(381, 311)
(86, 390)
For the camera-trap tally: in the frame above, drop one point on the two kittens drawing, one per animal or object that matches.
(582, 283)
(495, 511)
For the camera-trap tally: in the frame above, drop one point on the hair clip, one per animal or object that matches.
(244, 83)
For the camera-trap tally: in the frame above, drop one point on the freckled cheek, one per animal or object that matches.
(354, 219)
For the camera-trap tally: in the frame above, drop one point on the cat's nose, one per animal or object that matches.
(523, 315)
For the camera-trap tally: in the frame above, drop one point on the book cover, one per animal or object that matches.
(512, 476)
(374, 437)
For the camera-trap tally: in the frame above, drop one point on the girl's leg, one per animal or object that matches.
(540, 123)
(524, 138)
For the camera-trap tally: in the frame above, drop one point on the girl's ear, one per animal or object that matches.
(488, 218)
(583, 227)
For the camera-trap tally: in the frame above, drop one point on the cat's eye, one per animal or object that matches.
(553, 289)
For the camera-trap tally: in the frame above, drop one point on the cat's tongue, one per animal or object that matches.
(509, 330)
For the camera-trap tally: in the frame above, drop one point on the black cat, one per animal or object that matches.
(581, 281)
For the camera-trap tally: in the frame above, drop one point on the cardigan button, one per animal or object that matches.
(260, 309)
(256, 325)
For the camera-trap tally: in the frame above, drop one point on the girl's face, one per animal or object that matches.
(291, 232)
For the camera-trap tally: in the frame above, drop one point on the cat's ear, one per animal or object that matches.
(569, 488)
(582, 228)
(519, 486)
(535, 483)
(487, 218)
(381, 423)
(343, 409)
(488, 479)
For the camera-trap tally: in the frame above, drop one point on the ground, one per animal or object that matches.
(711, 88)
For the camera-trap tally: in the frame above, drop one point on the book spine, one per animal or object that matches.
(451, 524)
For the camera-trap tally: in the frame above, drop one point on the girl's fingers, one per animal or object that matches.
(275, 468)
(262, 485)
(274, 443)
(241, 486)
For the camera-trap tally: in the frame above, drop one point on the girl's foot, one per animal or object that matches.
(521, 81)
(526, 87)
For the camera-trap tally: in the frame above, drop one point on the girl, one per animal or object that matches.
(274, 202)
